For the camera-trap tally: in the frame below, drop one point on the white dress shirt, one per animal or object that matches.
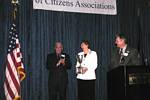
(90, 62)
(123, 49)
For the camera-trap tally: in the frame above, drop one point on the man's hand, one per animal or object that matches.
(61, 61)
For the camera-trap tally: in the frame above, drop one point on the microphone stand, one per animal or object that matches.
(125, 80)
(146, 63)
(125, 77)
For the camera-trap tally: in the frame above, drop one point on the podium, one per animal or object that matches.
(129, 83)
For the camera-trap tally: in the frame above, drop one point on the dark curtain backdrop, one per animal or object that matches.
(39, 30)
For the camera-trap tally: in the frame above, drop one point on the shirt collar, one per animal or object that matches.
(124, 48)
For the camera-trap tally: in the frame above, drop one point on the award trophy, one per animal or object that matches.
(79, 59)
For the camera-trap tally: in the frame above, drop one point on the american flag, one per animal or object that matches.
(14, 73)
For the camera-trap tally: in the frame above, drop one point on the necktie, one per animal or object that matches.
(121, 55)
(58, 56)
(121, 51)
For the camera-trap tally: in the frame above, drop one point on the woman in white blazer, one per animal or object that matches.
(85, 69)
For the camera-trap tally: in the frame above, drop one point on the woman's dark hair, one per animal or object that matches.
(86, 42)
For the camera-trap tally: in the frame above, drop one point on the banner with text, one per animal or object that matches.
(82, 6)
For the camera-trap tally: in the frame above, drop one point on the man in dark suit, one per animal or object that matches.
(57, 64)
(124, 55)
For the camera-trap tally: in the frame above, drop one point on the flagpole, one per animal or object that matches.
(15, 4)
(14, 72)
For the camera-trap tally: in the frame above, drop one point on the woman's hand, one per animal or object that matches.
(84, 69)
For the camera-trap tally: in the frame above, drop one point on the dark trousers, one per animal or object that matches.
(86, 89)
(58, 91)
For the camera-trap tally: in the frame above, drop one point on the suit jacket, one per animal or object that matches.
(90, 61)
(131, 57)
(57, 73)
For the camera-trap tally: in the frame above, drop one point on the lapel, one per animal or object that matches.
(127, 57)
(87, 56)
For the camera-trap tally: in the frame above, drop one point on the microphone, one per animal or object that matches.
(146, 61)
(62, 57)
